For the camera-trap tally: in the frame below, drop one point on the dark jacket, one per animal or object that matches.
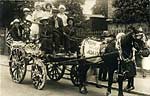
(45, 31)
(70, 31)
(46, 38)
(60, 24)
(70, 42)
(16, 33)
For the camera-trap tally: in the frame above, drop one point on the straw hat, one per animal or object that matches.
(62, 6)
(26, 10)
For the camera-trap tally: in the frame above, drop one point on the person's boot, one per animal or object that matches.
(108, 94)
(127, 88)
(83, 89)
(131, 88)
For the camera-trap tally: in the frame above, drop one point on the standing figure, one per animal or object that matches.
(46, 36)
(62, 15)
(36, 16)
(57, 28)
(48, 10)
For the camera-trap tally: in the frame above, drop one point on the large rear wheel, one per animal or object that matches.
(17, 65)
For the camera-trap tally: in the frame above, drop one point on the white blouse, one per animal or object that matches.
(64, 18)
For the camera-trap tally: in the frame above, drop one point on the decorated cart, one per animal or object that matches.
(52, 65)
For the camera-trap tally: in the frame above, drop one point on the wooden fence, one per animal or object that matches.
(113, 29)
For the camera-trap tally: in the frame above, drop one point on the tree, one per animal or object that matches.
(101, 8)
(132, 11)
(13, 9)
(73, 7)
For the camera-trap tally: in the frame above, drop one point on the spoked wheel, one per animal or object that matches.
(55, 72)
(74, 74)
(17, 65)
(38, 74)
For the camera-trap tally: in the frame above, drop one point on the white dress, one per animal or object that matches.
(36, 16)
(48, 13)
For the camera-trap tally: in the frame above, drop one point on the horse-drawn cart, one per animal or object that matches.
(43, 65)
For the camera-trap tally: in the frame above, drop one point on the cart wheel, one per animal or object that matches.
(55, 72)
(17, 65)
(74, 74)
(38, 74)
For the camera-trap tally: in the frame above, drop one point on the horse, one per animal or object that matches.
(115, 60)
(124, 61)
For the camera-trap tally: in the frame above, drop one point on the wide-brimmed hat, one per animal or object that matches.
(26, 10)
(44, 19)
(15, 21)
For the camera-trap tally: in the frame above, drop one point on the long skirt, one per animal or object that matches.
(34, 30)
(47, 45)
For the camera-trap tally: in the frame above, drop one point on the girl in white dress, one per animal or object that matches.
(48, 10)
(36, 17)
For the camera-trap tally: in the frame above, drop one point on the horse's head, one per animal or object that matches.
(140, 44)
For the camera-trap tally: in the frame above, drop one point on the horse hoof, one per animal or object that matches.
(98, 86)
(144, 76)
(83, 90)
(129, 88)
(108, 94)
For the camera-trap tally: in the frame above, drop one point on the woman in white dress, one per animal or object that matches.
(36, 17)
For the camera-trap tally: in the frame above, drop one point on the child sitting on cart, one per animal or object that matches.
(70, 40)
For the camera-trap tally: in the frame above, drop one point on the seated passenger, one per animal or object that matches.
(46, 36)
(16, 30)
(70, 41)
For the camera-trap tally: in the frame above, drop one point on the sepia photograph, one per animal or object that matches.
(74, 47)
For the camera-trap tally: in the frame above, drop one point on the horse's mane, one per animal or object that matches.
(127, 45)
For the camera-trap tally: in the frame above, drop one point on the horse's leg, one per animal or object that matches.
(97, 78)
(120, 83)
(83, 67)
(120, 79)
(100, 72)
(104, 73)
(110, 81)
